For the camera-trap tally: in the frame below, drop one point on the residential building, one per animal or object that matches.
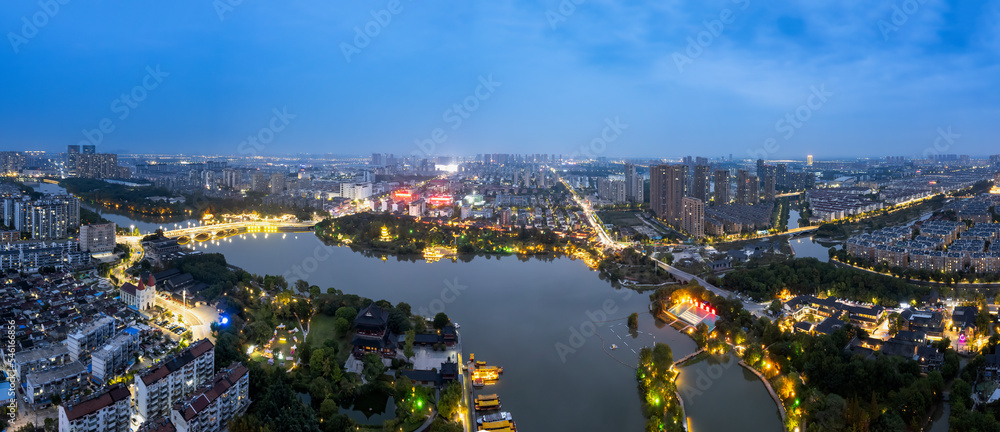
(158, 388)
(106, 362)
(35, 359)
(666, 191)
(92, 335)
(701, 183)
(634, 185)
(722, 195)
(97, 238)
(211, 407)
(694, 217)
(109, 411)
(32, 255)
(65, 380)
(611, 190)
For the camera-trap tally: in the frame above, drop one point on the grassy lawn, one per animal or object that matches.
(321, 329)
(619, 218)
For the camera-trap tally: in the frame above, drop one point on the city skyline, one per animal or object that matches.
(588, 79)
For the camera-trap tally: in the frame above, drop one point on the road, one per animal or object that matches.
(198, 319)
(598, 228)
(754, 308)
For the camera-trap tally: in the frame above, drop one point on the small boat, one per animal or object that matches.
(614, 346)
(478, 383)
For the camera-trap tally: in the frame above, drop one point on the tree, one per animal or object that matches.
(348, 313)
(449, 400)
(774, 307)
(341, 326)
(633, 321)
(373, 367)
(411, 335)
(328, 408)
(314, 292)
(441, 320)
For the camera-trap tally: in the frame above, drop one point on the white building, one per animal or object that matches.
(89, 337)
(356, 191)
(142, 297)
(160, 387)
(112, 358)
(108, 412)
(97, 238)
(212, 407)
(41, 385)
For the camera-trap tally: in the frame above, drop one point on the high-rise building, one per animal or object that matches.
(12, 161)
(89, 149)
(809, 160)
(97, 238)
(700, 184)
(634, 185)
(99, 165)
(232, 178)
(277, 183)
(770, 188)
(753, 188)
(666, 191)
(611, 190)
(72, 153)
(722, 194)
(742, 187)
(694, 217)
(258, 182)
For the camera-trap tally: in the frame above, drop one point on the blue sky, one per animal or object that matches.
(894, 76)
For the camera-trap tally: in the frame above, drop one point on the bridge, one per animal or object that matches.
(216, 231)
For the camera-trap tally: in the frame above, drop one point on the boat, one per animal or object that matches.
(478, 383)
(487, 402)
(499, 422)
(614, 346)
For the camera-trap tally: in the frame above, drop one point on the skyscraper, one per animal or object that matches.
(744, 189)
(770, 186)
(694, 217)
(753, 188)
(722, 187)
(89, 149)
(700, 184)
(666, 192)
(809, 160)
(633, 185)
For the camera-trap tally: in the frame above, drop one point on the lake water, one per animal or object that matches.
(529, 316)
(534, 317)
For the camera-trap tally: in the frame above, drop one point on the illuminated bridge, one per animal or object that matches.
(202, 233)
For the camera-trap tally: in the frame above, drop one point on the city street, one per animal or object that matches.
(198, 318)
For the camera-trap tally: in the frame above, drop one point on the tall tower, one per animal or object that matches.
(666, 191)
(722, 195)
(699, 187)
